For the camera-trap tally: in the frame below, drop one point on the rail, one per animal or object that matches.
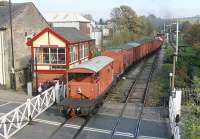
(15, 120)
(130, 90)
(137, 129)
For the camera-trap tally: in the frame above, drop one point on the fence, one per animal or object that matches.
(174, 111)
(190, 94)
(19, 117)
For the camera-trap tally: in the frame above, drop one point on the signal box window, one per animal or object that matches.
(55, 56)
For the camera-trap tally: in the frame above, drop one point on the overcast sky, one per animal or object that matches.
(102, 8)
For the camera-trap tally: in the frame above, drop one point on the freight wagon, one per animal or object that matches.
(89, 81)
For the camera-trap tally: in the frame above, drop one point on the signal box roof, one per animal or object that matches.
(72, 34)
(93, 65)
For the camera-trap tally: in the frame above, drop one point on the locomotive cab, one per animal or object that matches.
(82, 85)
(88, 82)
(90, 79)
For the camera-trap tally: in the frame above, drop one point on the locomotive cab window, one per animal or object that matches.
(79, 76)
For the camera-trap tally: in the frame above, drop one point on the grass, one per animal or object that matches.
(160, 83)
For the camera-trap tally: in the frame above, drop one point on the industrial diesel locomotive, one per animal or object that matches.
(89, 81)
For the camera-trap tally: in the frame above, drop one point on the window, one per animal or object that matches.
(61, 56)
(53, 56)
(82, 51)
(86, 51)
(73, 54)
(50, 55)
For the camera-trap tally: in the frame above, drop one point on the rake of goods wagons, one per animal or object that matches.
(90, 81)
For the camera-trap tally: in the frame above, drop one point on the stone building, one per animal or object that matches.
(69, 20)
(26, 21)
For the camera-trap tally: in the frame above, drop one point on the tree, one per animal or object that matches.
(124, 17)
(146, 28)
(192, 35)
(157, 23)
(127, 26)
(185, 26)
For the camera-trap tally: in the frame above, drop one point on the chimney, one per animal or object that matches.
(4, 3)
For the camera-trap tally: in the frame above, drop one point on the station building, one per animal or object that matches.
(55, 50)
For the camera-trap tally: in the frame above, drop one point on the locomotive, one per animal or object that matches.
(90, 81)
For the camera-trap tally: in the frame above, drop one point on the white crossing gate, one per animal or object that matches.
(19, 117)
(174, 111)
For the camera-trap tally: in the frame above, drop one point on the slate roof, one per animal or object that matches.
(65, 17)
(17, 8)
(71, 34)
(95, 64)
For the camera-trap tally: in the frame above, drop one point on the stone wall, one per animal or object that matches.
(28, 22)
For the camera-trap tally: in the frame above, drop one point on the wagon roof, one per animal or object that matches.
(93, 65)
(125, 46)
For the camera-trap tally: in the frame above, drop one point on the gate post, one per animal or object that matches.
(5, 132)
(29, 110)
(64, 91)
(177, 102)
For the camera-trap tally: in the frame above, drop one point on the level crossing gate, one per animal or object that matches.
(174, 113)
(13, 121)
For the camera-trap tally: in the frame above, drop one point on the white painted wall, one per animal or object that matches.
(2, 59)
(177, 101)
(97, 35)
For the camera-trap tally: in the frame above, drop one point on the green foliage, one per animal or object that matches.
(124, 17)
(160, 84)
(146, 28)
(168, 55)
(191, 123)
(122, 37)
(196, 79)
(188, 67)
(128, 26)
(187, 57)
(188, 74)
(185, 26)
(192, 35)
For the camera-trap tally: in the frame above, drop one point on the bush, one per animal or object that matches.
(191, 123)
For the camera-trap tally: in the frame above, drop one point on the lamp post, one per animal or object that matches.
(12, 49)
(175, 57)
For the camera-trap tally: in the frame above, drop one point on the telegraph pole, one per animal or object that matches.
(175, 57)
(177, 31)
(13, 84)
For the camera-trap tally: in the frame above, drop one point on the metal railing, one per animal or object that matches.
(13, 121)
(172, 117)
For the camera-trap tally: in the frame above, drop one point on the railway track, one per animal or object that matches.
(139, 84)
(138, 81)
(172, 41)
